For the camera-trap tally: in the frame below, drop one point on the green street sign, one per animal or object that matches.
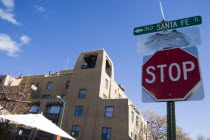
(191, 21)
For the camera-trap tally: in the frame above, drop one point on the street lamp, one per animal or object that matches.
(64, 102)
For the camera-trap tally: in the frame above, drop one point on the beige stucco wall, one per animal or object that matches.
(10, 81)
(93, 80)
(133, 128)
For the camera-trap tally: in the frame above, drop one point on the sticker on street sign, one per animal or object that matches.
(191, 21)
(181, 37)
(172, 75)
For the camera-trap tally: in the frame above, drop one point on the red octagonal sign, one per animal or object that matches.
(171, 75)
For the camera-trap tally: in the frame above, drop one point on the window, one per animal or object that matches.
(119, 96)
(78, 110)
(44, 135)
(0, 81)
(33, 84)
(106, 84)
(132, 116)
(37, 84)
(34, 109)
(67, 84)
(49, 85)
(106, 133)
(104, 96)
(135, 138)
(53, 109)
(108, 68)
(109, 111)
(131, 134)
(3, 96)
(46, 97)
(75, 130)
(89, 61)
(82, 93)
(24, 131)
(137, 120)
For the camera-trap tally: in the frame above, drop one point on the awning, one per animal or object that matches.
(37, 121)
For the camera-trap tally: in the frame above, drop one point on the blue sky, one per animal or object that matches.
(37, 36)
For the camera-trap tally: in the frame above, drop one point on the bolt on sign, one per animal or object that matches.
(172, 75)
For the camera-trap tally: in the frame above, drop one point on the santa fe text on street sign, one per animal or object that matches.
(196, 20)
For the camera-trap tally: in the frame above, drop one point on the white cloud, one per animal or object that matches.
(25, 40)
(10, 46)
(7, 14)
(39, 8)
(8, 3)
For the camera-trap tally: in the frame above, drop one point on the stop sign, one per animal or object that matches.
(171, 75)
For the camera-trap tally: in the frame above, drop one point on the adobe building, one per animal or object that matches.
(96, 107)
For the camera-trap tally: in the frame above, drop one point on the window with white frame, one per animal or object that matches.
(135, 137)
(119, 96)
(132, 116)
(106, 84)
(104, 96)
(137, 120)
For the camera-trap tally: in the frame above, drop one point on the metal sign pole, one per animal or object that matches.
(161, 9)
(171, 121)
